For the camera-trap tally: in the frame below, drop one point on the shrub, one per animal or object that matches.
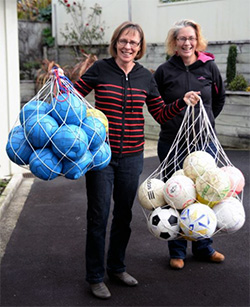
(47, 38)
(3, 184)
(239, 83)
(28, 69)
(72, 72)
(34, 10)
(45, 14)
(84, 31)
(231, 64)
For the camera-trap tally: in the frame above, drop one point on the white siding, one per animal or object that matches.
(9, 85)
(221, 20)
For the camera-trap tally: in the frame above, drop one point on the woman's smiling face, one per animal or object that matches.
(186, 43)
(127, 46)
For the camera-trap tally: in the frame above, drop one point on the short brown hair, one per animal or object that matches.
(117, 33)
(174, 31)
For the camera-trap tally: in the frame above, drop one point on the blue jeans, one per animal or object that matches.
(120, 177)
(177, 248)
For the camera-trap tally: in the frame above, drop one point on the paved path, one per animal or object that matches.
(44, 263)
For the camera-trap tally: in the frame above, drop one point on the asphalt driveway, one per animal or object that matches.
(44, 263)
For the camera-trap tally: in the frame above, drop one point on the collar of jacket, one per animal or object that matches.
(113, 64)
(202, 57)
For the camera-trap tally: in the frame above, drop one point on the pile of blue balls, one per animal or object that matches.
(59, 138)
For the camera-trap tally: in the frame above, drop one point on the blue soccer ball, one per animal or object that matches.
(101, 157)
(44, 164)
(31, 108)
(67, 108)
(17, 148)
(70, 141)
(95, 130)
(76, 169)
(39, 129)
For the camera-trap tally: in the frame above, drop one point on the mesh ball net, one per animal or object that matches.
(58, 133)
(196, 192)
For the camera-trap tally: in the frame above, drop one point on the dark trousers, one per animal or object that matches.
(120, 177)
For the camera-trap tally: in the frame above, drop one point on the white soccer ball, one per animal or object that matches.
(230, 215)
(213, 186)
(178, 172)
(197, 163)
(198, 221)
(150, 194)
(237, 180)
(163, 223)
(179, 191)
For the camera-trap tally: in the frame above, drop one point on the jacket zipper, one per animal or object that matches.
(187, 71)
(123, 112)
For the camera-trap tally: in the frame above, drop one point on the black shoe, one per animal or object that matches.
(124, 277)
(100, 290)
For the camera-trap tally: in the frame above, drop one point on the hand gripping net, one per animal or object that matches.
(196, 192)
(58, 133)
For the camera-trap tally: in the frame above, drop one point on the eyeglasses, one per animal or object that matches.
(183, 39)
(124, 42)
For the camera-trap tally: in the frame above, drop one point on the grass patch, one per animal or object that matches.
(3, 184)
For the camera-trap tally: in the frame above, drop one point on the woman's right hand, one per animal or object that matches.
(192, 98)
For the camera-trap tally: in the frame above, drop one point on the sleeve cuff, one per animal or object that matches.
(181, 103)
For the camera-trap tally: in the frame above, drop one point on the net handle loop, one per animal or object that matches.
(59, 78)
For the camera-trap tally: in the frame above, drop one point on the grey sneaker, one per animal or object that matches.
(124, 277)
(100, 290)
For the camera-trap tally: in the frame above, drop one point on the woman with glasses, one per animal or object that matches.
(189, 67)
(122, 86)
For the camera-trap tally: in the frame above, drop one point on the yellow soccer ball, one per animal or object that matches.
(212, 187)
(99, 115)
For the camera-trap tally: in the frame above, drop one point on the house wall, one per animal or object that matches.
(232, 125)
(30, 40)
(9, 85)
(221, 20)
(156, 55)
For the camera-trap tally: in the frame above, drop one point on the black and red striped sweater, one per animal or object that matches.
(121, 97)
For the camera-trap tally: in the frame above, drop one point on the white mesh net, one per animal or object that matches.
(58, 133)
(196, 192)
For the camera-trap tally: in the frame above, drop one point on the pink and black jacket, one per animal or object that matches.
(174, 79)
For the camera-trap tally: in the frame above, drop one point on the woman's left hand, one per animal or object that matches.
(192, 98)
